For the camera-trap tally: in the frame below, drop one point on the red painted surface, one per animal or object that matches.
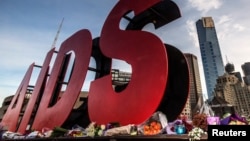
(146, 54)
(80, 43)
(38, 89)
(11, 116)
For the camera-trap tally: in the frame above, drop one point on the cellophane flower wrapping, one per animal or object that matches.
(76, 131)
(213, 120)
(154, 125)
(12, 135)
(180, 121)
(122, 130)
(234, 119)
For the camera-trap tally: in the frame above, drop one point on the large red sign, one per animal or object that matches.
(159, 80)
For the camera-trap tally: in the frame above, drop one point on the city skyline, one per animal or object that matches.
(28, 30)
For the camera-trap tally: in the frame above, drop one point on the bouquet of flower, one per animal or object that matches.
(122, 130)
(234, 119)
(200, 120)
(195, 134)
(154, 125)
(213, 120)
(95, 130)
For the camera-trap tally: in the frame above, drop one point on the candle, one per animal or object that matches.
(180, 129)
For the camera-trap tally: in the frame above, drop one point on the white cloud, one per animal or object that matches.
(205, 5)
(238, 27)
(224, 19)
(227, 27)
(223, 27)
(191, 29)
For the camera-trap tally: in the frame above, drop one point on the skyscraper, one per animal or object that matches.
(195, 81)
(210, 53)
(246, 70)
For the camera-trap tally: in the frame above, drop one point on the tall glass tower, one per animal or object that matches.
(210, 53)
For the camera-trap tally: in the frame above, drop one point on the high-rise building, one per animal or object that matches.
(229, 68)
(246, 70)
(195, 90)
(210, 53)
(230, 87)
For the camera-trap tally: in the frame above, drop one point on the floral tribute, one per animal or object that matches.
(152, 128)
(179, 126)
(95, 130)
(196, 133)
(234, 119)
(200, 120)
(155, 125)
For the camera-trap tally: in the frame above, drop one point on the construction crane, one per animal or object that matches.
(57, 34)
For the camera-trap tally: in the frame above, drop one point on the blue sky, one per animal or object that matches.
(28, 29)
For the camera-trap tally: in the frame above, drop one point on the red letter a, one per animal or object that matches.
(12, 115)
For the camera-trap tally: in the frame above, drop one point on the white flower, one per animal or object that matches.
(103, 127)
(91, 129)
(195, 134)
(100, 133)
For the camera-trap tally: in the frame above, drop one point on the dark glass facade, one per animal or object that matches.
(210, 53)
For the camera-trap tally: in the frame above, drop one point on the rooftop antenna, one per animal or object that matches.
(57, 34)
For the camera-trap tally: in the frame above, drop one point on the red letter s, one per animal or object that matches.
(147, 55)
